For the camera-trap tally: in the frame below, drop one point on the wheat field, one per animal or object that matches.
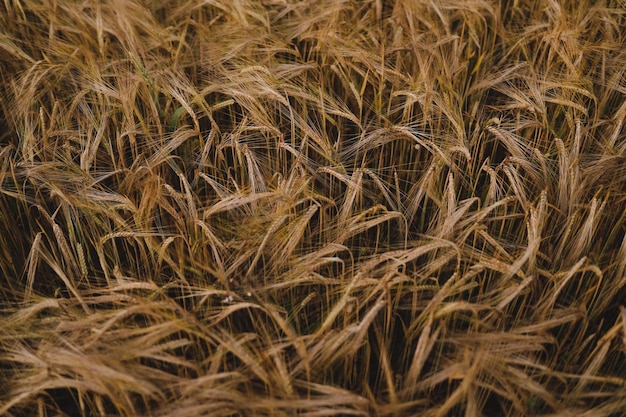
(313, 208)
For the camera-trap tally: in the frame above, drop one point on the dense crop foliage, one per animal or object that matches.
(312, 208)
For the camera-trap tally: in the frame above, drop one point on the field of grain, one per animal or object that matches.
(313, 208)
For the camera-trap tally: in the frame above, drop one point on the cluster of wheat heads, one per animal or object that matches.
(312, 208)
